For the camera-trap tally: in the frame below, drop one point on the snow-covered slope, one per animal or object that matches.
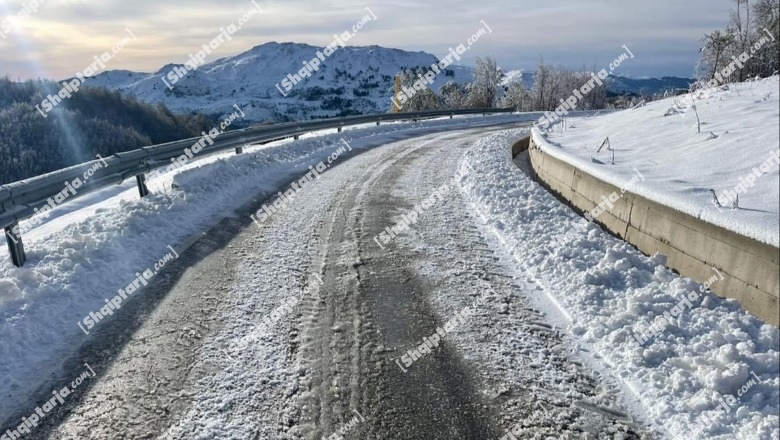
(739, 133)
(352, 80)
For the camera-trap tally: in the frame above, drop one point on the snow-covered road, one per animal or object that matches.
(330, 317)
(196, 358)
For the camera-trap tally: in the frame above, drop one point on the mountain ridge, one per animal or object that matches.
(352, 80)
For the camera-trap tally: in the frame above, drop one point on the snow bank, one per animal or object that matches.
(740, 129)
(604, 292)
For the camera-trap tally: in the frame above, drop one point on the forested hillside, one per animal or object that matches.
(93, 121)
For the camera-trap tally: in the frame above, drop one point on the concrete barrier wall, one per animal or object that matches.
(751, 269)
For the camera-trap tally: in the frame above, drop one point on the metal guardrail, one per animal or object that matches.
(26, 198)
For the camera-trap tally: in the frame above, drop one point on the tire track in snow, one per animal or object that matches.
(373, 305)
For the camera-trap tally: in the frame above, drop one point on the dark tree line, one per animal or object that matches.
(93, 121)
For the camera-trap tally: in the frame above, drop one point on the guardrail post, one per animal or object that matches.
(142, 189)
(240, 149)
(15, 245)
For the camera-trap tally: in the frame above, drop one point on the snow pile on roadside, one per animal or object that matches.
(604, 292)
(740, 129)
(80, 258)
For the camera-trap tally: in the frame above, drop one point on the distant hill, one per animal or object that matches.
(352, 80)
(646, 86)
(616, 85)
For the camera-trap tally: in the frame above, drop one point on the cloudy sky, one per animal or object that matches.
(64, 35)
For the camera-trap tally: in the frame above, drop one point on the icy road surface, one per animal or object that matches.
(301, 327)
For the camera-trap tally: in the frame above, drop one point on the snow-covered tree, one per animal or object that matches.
(453, 94)
(423, 99)
(551, 85)
(483, 92)
(517, 97)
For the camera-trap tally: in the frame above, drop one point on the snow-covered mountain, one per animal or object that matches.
(519, 76)
(351, 80)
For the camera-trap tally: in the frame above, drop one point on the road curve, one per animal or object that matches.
(196, 356)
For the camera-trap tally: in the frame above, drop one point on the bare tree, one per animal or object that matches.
(750, 42)
(597, 97)
(713, 52)
(541, 80)
(767, 19)
(742, 30)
